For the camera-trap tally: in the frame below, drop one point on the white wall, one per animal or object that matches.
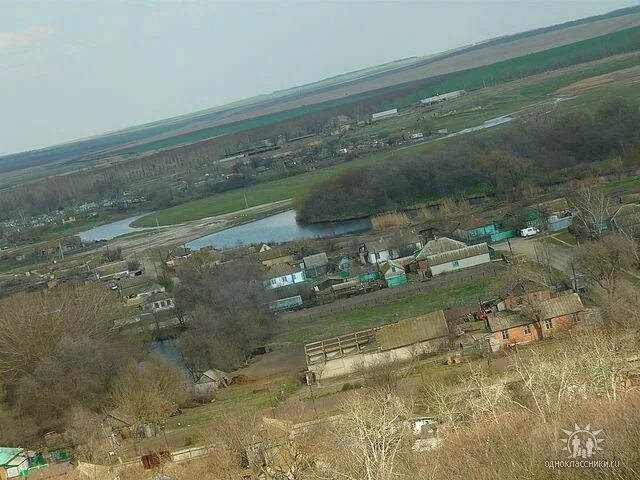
(352, 363)
(464, 263)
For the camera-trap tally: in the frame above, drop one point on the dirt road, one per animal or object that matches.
(176, 235)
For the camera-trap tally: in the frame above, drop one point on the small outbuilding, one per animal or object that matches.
(209, 382)
(393, 273)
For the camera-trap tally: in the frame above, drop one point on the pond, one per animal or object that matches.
(110, 230)
(281, 227)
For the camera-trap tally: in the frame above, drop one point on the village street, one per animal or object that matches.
(540, 248)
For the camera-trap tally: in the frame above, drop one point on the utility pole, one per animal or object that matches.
(510, 249)
(575, 280)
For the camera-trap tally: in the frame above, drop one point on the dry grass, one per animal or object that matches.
(388, 220)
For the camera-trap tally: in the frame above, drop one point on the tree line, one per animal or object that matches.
(539, 153)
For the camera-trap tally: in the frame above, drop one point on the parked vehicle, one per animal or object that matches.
(529, 232)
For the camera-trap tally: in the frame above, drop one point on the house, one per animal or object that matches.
(284, 276)
(333, 357)
(511, 327)
(393, 273)
(14, 463)
(316, 264)
(113, 270)
(390, 248)
(209, 382)
(141, 295)
(451, 260)
(563, 311)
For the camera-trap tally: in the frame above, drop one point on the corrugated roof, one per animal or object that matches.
(507, 319)
(556, 307)
(390, 263)
(8, 453)
(459, 254)
(412, 330)
(627, 216)
(316, 260)
(440, 245)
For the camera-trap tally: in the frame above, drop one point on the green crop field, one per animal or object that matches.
(332, 324)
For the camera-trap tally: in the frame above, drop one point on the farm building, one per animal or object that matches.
(393, 273)
(349, 353)
(385, 114)
(442, 98)
(113, 270)
(511, 327)
(450, 260)
(13, 463)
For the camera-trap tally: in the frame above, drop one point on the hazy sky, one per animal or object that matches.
(70, 69)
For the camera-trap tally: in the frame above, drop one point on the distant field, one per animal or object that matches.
(469, 67)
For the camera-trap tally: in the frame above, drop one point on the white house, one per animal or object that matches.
(458, 259)
(286, 279)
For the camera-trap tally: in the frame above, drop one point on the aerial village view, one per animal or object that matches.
(427, 268)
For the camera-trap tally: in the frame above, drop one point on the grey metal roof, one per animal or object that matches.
(440, 245)
(507, 319)
(459, 254)
(559, 306)
(316, 260)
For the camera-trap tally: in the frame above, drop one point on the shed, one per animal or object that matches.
(413, 330)
(393, 273)
(627, 219)
(316, 263)
(209, 382)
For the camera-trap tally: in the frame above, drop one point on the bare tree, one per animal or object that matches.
(592, 210)
(372, 437)
(605, 261)
(45, 318)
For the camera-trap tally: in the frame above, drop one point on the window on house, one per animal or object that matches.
(527, 329)
(548, 323)
(505, 334)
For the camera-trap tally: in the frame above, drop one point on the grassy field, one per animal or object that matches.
(332, 324)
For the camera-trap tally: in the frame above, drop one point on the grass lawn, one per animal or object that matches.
(332, 324)
(234, 401)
